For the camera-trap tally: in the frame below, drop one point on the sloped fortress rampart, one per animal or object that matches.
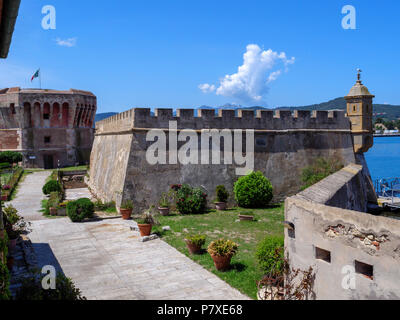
(284, 143)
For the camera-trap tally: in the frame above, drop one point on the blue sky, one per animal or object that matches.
(157, 53)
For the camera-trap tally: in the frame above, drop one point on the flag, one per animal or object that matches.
(36, 75)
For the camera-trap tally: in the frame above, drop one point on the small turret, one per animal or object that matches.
(359, 111)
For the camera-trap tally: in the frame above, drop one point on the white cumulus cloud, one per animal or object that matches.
(207, 88)
(250, 83)
(70, 42)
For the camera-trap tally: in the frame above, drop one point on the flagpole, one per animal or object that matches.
(40, 78)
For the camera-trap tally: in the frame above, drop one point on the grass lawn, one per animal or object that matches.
(74, 168)
(222, 224)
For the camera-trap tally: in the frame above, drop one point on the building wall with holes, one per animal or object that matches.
(48, 127)
(354, 255)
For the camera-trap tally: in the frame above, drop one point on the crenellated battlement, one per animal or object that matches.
(141, 118)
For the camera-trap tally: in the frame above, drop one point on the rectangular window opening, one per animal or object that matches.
(46, 116)
(322, 254)
(47, 139)
(364, 269)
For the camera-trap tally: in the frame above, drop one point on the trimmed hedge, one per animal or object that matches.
(80, 209)
(4, 274)
(10, 157)
(253, 190)
(13, 182)
(51, 186)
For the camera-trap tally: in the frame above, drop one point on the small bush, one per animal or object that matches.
(31, 289)
(197, 239)
(222, 247)
(270, 254)
(51, 186)
(320, 169)
(190, 200)
(221, 193)
(53, 202)
(10, 157)
(80, 209)
(107, 206)
(253, 191)
(5, 165)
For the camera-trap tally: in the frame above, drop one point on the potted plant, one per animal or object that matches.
(12, 219)
(221, 252)
(62, 209)
(195, 242)
(126, 209)
(163, 205)
(146, 222)
(222, 196)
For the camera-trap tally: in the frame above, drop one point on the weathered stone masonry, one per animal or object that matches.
(47, 126)
(285, 143)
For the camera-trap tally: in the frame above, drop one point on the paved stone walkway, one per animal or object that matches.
(75, 194)
(29, 197)
(106, 260)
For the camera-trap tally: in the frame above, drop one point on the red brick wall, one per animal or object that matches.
(9, 139)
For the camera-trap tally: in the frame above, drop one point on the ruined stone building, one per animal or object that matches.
(48, 127)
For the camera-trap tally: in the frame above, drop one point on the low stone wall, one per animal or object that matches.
(355, 255)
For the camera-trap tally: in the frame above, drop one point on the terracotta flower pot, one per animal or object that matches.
(53, 211)
(193, 249)
(145, 229)
(126, 213)
(220, 206)
(163, 211)
(222, 262)
(12, 243)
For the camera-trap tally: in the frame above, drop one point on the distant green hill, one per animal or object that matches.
(385, 111)
(102, 116)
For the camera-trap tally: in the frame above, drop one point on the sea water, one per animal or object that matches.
(383, 158)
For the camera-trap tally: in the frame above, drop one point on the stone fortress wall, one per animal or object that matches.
(47, 126)
(355, 255)
(284, 143)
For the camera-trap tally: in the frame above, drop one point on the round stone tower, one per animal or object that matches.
(359, 111)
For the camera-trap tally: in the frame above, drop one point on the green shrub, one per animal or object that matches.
(190, 200)
(53, 202)
(253, 191)
(221, 193)
(31, 289)
(320, 169)
(51, 186)
(4, 274)
(5, 165)
(107, 206)
(80, 209)
(196, 239)
(10, 156)
(270, 254)
(222, 247)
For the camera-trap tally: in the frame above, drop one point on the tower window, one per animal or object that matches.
(354, 108)
(12, 108)
(47, 139)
